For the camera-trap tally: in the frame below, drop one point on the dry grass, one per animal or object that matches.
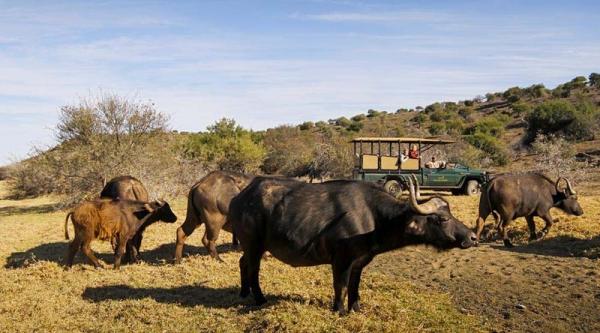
(201, 294)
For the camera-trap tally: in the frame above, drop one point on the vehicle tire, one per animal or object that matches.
(472, 187)
(394, 188)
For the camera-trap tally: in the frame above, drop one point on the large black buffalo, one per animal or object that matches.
(342, 223)
(510, 196)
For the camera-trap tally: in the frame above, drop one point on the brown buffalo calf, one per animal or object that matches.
(111, 219)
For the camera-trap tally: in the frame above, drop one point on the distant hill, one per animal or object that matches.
(501, 124)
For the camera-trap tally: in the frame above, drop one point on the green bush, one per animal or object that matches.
(355, 126)
(343, 121)
(562, 117)
(433, 107)
(594, 80)
(492, 126)
(227, 146)
(466, 112)
(521, 108)
(359, 117)
(306, 125)
(437, 128)
(374, 113)
(490, 145)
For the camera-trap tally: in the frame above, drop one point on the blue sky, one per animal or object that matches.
(266, 63)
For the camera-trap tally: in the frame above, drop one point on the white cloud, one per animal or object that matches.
(401, 16)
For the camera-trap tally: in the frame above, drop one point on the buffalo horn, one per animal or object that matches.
(427, 208)
(417, 189)
(570, 188)
(558, 183)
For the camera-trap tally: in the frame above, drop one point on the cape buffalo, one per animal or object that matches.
(208, 203)
(128, 188)
(107, 219)
(510, 196)
(342, 223)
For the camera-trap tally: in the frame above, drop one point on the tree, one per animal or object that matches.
(227, 146)
(99, 138)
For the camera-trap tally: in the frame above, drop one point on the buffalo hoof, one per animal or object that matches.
(341, 311)
(244, 293)
(508, 244)
(260, 300)
(355, 307)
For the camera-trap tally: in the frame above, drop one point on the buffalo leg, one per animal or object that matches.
(131, 253)
(503, 230)
(548, 219)
(480, 223)
(245, 279)
(135, 249)
(87, 250)
(234, 241)
(73, 248)
(210, 240)
(353, 296)
(183, 233)
(253, 264)
(341, 278)
(531, 226)
(120, 252)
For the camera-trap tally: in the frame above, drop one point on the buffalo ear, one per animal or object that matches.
(413, 228)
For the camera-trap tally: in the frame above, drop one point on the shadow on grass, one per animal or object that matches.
(188, 296)
(166, 252)
(39, 209)
(561, 246)
(56, 252)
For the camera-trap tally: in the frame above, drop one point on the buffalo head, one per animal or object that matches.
(566, 199)
(162, 211)
(434, 224)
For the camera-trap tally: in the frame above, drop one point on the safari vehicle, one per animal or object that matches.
(378, 160)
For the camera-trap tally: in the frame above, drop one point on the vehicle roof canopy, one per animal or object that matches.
(404, 140)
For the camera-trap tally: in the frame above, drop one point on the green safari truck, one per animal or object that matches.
(390, 161)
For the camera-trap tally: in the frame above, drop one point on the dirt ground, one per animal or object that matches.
(549, 286)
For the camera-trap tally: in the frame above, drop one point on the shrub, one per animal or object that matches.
(355, 126)
(454, 126)
(465, 113)
(374, 113)
(343, 121)
(536, 91)
(513, 94)
(521, 108)
(359, 117)
(306, 125)
(555, 156)
(437, 128)
(469, 102)
(433, 107)
(561, 117)
(227, 146)
(594, 80)
(492, 126)
(491, 145)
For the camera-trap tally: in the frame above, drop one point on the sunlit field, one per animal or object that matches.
(407, 290)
